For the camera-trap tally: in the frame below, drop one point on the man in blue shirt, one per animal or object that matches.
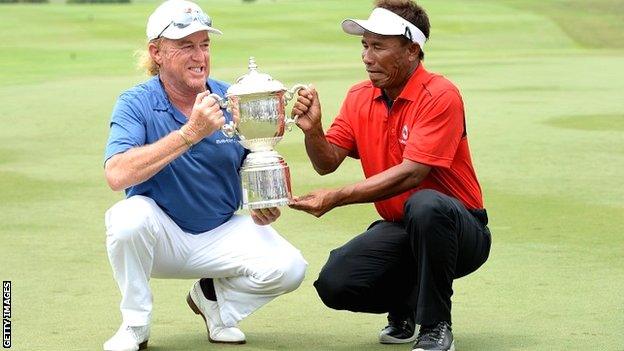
(180, 175)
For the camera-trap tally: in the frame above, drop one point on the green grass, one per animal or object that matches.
(543, 85)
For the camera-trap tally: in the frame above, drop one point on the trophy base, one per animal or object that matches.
(265, 179)
(266, 204)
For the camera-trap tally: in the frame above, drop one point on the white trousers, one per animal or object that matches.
(250, 264)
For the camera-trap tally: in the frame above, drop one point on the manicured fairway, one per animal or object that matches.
(543, 85)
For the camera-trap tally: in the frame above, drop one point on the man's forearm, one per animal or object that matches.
(141, 163)
(322, 154)
(387, 184)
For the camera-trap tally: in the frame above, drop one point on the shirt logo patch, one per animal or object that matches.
(404, 135)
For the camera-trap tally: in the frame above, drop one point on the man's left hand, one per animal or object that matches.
(264, 216)
(316, 203)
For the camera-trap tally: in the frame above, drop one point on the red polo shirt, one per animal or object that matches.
(425, 124)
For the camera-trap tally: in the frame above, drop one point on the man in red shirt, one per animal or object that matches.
(407, 127)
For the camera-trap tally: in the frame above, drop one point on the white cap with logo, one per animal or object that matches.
(175, 19)
(385, 22)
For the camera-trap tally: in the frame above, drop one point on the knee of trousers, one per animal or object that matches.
(285, 275)
(333, 293)
(334, 288)
(129, 219)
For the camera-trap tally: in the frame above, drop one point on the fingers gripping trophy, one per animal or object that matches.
(261, 103)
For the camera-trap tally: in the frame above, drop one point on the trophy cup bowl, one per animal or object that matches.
(261, 104)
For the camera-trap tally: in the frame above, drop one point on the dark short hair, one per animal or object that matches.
(412, 12)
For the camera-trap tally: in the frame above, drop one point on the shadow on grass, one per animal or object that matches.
(286, 340)
(290, 340)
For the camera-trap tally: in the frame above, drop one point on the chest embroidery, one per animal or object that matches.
(404, 135)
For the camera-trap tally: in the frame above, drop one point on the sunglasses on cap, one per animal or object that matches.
(186, 18)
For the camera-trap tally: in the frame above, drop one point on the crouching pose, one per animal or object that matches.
(180, 176)
(407, 127)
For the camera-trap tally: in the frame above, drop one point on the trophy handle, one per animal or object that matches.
(229, 130)
(291, 93)
(287, 97)
(290, 121)
(223, 103)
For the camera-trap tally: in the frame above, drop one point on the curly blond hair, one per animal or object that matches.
(145, 62)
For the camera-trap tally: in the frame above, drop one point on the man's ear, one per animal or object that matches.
(155, 51)
(413, 52)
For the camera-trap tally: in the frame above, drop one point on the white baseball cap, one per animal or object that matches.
(175, 19)
(385, 22)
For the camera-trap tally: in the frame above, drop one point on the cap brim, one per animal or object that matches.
(359, 27)
(178, 33)
(352, 26)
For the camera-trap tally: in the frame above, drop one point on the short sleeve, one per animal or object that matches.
(127, 127)
(341, 134)
(436, 133)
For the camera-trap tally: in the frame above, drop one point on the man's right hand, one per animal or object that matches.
(206, 117)
(308, 108)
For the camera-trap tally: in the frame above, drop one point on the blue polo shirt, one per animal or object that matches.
(199, 190)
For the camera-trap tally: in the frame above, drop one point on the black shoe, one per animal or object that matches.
(438, 337)
(399, 330)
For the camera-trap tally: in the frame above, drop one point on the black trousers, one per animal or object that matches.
(400, 267)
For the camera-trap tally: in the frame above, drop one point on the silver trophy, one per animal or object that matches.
(261, 101)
